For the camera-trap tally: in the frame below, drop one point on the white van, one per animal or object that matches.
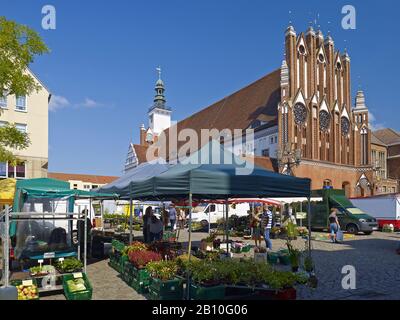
(211, 212)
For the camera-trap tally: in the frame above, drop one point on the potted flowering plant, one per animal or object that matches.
(141, 258)
(164, 284)
(294, 256)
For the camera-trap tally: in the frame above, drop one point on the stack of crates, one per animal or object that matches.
(166, 290)
(140, 280)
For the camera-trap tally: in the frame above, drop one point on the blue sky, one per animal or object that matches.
(104, 53)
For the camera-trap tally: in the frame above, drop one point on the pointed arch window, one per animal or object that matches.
(300, 113)
(324, 120)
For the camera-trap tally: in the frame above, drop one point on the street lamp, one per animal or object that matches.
(376, 169)
(288, 157)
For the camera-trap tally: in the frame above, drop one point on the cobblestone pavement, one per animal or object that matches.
(374, 258)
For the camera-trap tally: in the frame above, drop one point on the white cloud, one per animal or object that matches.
(58, 102)
(89, 103)
(373, 125)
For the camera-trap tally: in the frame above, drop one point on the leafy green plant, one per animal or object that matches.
(294, 254)
(134, 246)
(163, 270)
(69, 265)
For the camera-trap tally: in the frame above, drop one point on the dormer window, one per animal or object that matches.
(302, 50)
(339, 66)
(321, 58)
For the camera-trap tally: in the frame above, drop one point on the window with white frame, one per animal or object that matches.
(86, 186)
(271, 140)
(3, 101)
(276, 139)
(8, 171)
(20, 103)
(21, 127)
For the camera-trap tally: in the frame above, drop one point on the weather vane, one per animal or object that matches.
(159, 72)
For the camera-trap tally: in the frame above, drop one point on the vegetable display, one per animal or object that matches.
(27, 292)
(76, 285)
(69, 265)
(42, 270)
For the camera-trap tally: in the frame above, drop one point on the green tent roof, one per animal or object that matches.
(218, 179)
(50, 188)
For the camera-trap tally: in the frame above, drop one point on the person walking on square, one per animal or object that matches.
(267, 226)
(172, 216)
(334, 225)
(255, 222)
(146, 223)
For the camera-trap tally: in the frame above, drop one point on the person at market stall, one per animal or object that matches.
(255, 223)
(334, 225)
(146, 222)
(165, 218)
(155, 228)
(181, 218)
(81, 231)
(172, 216)
(266, 223)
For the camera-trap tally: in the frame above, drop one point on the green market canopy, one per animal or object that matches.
(50, 188)
(216, 173)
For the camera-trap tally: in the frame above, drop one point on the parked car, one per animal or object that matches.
(351, 218)
(212, 212)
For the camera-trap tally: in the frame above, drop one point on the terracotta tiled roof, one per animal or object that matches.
(140, 152)
(387, 136)
(240, 110)
(82, 177)
(375, 140)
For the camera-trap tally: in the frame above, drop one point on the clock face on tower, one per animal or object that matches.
(345, 126)
(149, 137)
(300, 113)
(324, 120)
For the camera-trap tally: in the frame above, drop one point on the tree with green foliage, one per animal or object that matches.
(19, 44)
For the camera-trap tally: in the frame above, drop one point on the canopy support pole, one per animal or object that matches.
(85, 236)
(309, 226)
(130, 220)
(130, 215)
(6, 251)
(190, 225)
(189, 246)
(227, 225)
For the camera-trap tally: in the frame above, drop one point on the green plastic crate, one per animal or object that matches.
(207, 293)
(19, 282)
(117, 245)
(140, 287)
(167, 235)
(79, 295)
(272, 258)
(140, 275)
(166, 290)
(284, 259)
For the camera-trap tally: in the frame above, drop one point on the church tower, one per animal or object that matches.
(159, 117)
(159, 114)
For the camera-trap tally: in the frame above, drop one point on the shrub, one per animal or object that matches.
(141, 258)
(163, 270)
